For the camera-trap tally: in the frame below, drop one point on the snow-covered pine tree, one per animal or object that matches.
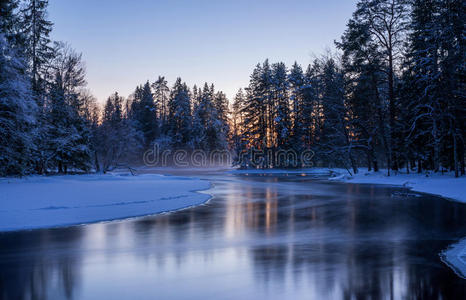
(144, 113)
(210, 124)
(280, 108)
(453, 66)
(335, 144)
(311, 105)
(17, 112)
(421, 87)
(161, 96)
(266, 109)
(203, 110)
(433, 92)
(179, 115)
(298, 107)
(10, 21)
(35, 32)
(253, 111)
(196, 98)
(222, 110)
(34, 38)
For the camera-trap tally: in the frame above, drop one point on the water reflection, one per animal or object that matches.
(259, 237)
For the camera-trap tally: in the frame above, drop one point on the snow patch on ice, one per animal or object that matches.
(38, 201)
(455, 258)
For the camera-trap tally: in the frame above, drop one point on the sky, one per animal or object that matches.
(126, 43)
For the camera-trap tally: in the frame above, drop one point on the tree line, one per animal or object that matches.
(49, 121)
(393, 96)
(176, 118)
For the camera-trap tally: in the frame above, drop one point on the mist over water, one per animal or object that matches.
(259, 237)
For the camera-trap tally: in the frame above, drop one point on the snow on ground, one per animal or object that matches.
(442, 185)
(437, 184)
(455, 257)
(37, 202)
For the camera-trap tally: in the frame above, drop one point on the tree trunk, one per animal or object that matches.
(96, 162)
(369, 161)
(381, 124)
(353, 162)
(455, 155)
(436, 148)
(461, 157)
(391, 108)
(462, 166)
(407, 162)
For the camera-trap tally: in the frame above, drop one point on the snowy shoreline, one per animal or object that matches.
(60, 201)
(446, 186)
(455, 258)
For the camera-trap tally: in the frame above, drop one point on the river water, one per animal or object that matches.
(259, 237)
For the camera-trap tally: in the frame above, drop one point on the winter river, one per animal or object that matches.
(259, 237)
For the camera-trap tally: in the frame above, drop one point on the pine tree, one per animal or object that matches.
(266, 107)
(36, 30)
(210, 121)
(300, 111)
(161, 95)
(179, 115)
(9, 22)
(421, 85)
(335, 143)
(254, 111)
(34, 39)
(311, 105)
(432, 88)
(280, 108)
(17, 113)
(144, 113)
(222, 110)
(237, 139)
(453, 66)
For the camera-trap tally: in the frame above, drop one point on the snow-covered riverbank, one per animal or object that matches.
(437, 184)
(455, 257)
(38, 202)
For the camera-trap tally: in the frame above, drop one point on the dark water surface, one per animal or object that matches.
(259, 237)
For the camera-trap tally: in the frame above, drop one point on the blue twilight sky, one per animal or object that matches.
(125, 43)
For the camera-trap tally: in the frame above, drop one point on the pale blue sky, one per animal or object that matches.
(125, 43)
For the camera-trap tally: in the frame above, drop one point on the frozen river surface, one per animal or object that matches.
(259, 237)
